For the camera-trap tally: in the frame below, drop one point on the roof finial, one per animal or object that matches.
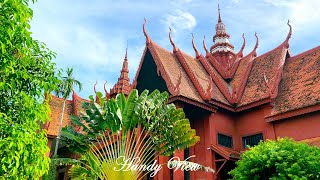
(289, 35)
(195, 48)
(148, 40)
(204, 45)
(126, 56)
(257, 42)
(94, 87)
(171, 41)
(219, 20)
(240, 53)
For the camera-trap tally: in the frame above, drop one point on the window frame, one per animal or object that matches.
(252, 134)
(228, 135)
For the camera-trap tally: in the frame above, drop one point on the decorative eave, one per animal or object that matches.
(293, 113)
(224, 153)
(253, 104)
(238, 91)
(222, 35)
(205, 106)
(223, 44)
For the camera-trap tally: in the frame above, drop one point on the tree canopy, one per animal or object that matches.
(26, 74)
(281, 159)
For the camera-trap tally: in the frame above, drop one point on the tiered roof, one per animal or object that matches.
(232, 81)
(74, 106)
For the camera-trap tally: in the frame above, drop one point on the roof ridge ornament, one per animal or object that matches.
(195, 48)
(254, 51)
(175, 49)
(286, 42)
(240, 53)
(205, 46)
(94, 87)
(105, 89)
(148, 39)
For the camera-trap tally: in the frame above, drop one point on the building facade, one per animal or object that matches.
(232, 100)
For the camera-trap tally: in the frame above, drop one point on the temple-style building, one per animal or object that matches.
(232, 100)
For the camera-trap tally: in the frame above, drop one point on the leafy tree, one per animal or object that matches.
(281, 159)
(26, 74)
(65, 89)
(143, 126)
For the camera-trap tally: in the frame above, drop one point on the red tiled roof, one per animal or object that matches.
(300, 84)
(56, 108)
(263, 66)
(173, 68)
(72, 107)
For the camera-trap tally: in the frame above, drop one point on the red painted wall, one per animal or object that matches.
(299, 127)
(252, 122)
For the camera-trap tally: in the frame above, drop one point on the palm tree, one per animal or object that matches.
(65, 89)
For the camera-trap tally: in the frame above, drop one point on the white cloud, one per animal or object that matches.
(301, 13)
(180, 20)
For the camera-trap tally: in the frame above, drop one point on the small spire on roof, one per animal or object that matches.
(148, 40)
(94, 87)
(219, 20)
(204, 46)
(195, 48)
(289, 35)
(171, 41)
(240, 53)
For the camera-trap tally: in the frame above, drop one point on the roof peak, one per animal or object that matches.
(219, 20)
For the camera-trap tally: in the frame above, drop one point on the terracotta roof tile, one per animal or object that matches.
(242, 68)
(300, 84)
(204, 78)
(56, 108)
(265, 65)
(173, 67)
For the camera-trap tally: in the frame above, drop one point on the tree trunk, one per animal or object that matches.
(60, 126)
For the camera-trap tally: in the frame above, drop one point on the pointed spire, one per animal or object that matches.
(175, 49)
(219, 20)
(195, 48)
(148, 39)
(123, 85)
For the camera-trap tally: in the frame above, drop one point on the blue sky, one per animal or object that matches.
(92, 36)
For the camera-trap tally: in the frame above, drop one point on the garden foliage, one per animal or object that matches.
(26, 73)
(282, 159)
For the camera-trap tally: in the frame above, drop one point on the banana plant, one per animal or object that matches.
(143, 126)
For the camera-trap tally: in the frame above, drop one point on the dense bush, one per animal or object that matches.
(282, 159)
